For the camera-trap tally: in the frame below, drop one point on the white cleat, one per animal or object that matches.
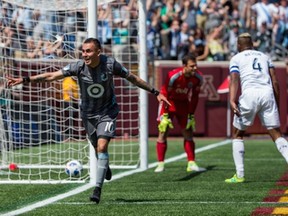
(160, 167)
(192, 166)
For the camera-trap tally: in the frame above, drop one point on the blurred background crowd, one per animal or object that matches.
(207, 27)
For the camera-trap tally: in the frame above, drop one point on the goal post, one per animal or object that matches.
(40, 130)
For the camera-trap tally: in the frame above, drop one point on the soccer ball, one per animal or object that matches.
(73, 168)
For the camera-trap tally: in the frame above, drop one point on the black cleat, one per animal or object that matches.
(96, 195)
(108, 175)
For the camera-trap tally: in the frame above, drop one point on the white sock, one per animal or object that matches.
(238, 156)
(282, 147)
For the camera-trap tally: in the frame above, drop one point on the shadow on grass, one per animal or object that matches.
(121, 200)
(194, 174)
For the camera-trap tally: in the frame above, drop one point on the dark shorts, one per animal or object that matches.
(103, 126)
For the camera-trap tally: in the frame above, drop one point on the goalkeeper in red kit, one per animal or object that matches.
(181, 88)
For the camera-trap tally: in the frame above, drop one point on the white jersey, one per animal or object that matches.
(253, 68)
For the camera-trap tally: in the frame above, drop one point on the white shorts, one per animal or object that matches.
(257, 101)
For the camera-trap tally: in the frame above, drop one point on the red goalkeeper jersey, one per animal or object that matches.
(182, 92)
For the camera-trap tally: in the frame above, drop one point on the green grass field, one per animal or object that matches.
(173, 192)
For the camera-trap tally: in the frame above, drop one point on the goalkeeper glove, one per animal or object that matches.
(190, 122)
(164, 123)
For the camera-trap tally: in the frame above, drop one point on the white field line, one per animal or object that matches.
(169, 202)
(115, 177)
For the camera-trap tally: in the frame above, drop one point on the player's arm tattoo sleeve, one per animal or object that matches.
(139, 82)
(47, 77)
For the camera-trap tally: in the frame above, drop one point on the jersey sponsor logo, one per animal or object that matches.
(181, 90)
(95, 90)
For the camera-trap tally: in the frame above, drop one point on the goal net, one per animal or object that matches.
(40, 125)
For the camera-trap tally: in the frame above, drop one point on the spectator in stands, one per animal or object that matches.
(184, 42)
(172, 39)
(99, 108)
(21, 35)
(46, 24)
(215, 15)
(228, 7)
(121, 11)
(263, 40)
(54, 49)
(259, 96)
(232, 38)
(104, 27)
(33, 51)
(169, 12)
(6, 14)
(154, 41)
(8, 40)
(24, 16)
(182, 88)
(119, 33)
(263, 14)
(188, 14)
(154, 38)
(282, 30)
(214, 48)
(201, 16)
(251, 28)
(198, 42)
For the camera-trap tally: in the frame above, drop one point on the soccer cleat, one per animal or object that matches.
(108, 175)
(160, 167)
(192, 166)
(235, 179)
(96, 195)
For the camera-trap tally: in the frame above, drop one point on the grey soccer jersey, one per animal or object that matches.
(96, 84)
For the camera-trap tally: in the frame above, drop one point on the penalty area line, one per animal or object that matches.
(115, 177)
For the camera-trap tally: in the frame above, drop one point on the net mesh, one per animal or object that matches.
(40, 126)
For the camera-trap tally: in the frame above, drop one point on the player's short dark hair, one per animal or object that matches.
(189, 56)
(93, 40)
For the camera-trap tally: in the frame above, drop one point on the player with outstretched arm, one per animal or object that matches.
(98, 106)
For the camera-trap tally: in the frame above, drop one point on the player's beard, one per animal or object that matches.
(189, 74)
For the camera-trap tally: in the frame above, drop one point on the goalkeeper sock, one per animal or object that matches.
(189, 147)
(238, 156)
(161, 149)
(282, 147)
(102, 166)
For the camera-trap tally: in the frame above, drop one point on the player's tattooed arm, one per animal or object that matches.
(47, 77)
(146, 86)
(139, 82)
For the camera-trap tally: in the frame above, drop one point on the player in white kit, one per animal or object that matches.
(259, 96)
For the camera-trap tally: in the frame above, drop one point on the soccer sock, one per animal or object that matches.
(238, 156)
(189, 147)
(102, 166)
(282, 147)
(161, 150)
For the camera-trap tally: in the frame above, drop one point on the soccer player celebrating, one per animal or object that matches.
(99, 108)
(259, 96)
(182, 88)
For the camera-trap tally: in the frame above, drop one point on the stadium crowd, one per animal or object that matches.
(207, 27)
